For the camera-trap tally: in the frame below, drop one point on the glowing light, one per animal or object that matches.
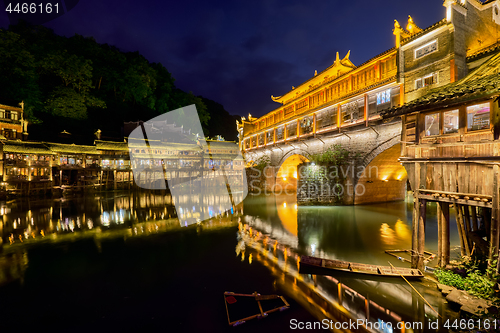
(385, 179)
(295, 206)
(295, 174)
(284, 204)
(284, 178)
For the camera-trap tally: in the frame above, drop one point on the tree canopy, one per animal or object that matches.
(79, 85)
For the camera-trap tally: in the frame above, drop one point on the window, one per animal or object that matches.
(426, 49)
(384, 97)
(418, 84)
(291, 130)
(432, 124)
(430, 80)
(13, 115)
(450, 122)
(426, 81)
(306, 125)
(478, 117)
(279, 133)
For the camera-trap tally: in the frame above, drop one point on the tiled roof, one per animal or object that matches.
(483, 82)
(110, 145)
(23, 147)
(423, 32)
(71, 148)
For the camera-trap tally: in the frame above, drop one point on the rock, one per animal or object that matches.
(458, 296)
(476, 306)
(469, 303)
(444, 288)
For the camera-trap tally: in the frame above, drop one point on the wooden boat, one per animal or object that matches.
(243, 307)
(351, 267)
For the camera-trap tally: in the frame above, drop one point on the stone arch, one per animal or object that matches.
(379, 149)
(286, 172)
(383, 178)
(296, 151)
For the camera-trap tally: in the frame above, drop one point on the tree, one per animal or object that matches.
(18, 70)
(74, 95)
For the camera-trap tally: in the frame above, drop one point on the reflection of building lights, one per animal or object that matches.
(295, 206)
(284, 204)
(295, 174)
(284, 178)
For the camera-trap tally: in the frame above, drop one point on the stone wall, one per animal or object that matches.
(325, 185)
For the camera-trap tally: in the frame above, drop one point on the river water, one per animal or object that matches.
(123, 262)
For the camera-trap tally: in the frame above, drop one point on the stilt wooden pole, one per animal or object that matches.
(444, 233)
(495, 218)
(416, 217)
(462, 232)
(466, 220)
(475, 225)
(421, 234)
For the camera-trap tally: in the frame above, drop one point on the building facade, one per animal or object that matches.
(344, 96)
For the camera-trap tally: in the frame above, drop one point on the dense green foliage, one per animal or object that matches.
(261, 163)
(334, 155)
(450, 279)
(474, 281)
(79, 85)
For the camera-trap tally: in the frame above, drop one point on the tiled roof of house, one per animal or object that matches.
(482, 82)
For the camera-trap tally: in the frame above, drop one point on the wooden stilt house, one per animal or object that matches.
(451, 152)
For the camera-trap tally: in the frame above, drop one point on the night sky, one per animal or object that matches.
(239, 53)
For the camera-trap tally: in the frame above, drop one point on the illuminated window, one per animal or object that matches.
(450, 122)
(279, 133)
(426, 49)
(384, 97)
(432, 124)
(478, 117)
(418, 83)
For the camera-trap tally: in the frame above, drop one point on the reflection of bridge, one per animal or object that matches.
(341, 298)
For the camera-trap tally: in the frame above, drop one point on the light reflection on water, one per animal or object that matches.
(352, 233)
(27, 222)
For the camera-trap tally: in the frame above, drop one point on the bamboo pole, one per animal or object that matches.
(414, 289)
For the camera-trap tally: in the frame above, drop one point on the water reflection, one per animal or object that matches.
(280, 232)
(25, 223)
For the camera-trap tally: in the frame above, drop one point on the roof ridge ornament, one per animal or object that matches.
(411, 27)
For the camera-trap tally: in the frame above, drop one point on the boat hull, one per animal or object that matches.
(351, 268)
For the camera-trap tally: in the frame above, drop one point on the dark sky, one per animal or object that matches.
(238, 53)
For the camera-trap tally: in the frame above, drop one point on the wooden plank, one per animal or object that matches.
(429, 197)
(446, 179)
(438, 169)
(452, 169)
(459, 194)
(430, 177)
